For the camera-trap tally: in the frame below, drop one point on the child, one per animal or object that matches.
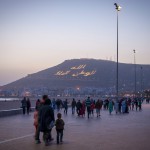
(59, 128)
(92, 108)
(36, 124)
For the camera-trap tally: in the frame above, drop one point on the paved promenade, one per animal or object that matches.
(109, 132)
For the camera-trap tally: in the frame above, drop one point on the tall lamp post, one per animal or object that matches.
(134, 73)
(118, 8)
(141, 80)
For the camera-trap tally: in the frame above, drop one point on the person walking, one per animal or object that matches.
(88, 106)
(123, 106)
(136, 103)
(28, 106)
(59, 128)
(35, 123)
(73, 106)
(24, 105)
(132, 103)
(140, 104)
(46, 117)
(58, 104)
(110, 106)
(92, 108)
(116, 106)
(65, 106)
(82, 110)
(78, 107)
(39, 105)
(54, 103)
(120, 106)
(98, 107)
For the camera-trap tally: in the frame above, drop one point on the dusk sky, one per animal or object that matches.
(38, 34)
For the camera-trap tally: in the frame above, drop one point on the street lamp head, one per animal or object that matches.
(118, 8)
(115, 4)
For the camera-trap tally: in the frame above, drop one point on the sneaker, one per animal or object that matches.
(51, 139)
(47, 144)
(37, 141)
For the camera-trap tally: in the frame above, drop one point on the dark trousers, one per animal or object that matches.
(65, 110)
(24, 110)
(136, 106)
(59, 135)
(47, 136)
(88, 111)
(28, 110)
(78, 111)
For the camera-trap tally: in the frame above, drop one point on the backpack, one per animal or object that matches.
(59, 124)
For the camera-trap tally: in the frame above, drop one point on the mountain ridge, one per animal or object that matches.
(85, 73)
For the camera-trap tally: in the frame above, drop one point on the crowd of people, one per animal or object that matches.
(122, 105)
(44, 118)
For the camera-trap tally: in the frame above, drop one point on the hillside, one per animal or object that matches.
(85, 73)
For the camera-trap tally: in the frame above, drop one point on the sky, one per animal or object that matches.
(39, 34)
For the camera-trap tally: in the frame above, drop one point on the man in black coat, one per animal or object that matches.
(46, 117)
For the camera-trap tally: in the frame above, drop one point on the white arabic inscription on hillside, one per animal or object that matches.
(80, 71)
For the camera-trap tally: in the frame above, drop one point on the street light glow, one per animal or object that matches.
(117, 7)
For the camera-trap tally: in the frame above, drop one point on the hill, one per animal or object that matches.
(85, 73)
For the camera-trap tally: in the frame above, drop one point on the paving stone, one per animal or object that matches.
(109, 132)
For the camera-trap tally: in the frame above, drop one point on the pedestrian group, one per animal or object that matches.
(44, 118)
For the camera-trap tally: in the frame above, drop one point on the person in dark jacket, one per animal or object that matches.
(39, 106)
(46, 117)
(78, 107)
(73, 105)
(65, 106)
(59, 128)
(24, 105)
(28, 105)
(88, 106)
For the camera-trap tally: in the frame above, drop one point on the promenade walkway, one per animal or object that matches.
(109, 132)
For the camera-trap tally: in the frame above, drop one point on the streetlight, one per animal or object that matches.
(134, 74)
(118, 8)
(141, 80)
